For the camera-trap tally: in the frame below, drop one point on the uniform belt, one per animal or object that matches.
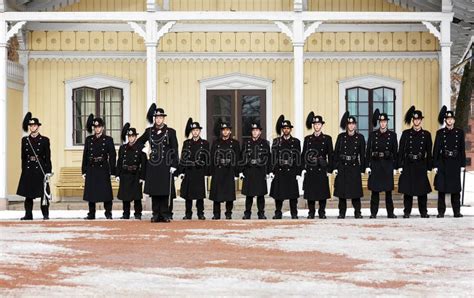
(97, 160)
(132, 168)
(450, 154)
(348, 157)
(319, 161)
(381, 155)
(415, 157)
(32, 158)
(255, 161)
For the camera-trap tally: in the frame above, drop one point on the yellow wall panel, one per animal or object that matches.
(371, 42)
(110, 41)
(399, 41)
(228, 42)
(213, 42)
(257, 42)
(68, 41)
(82, 41)
(125, 41)
(169, 42)
(242, 42)
(342, 41)
(96, 41)
(198, 41)
(314, 42)
(414, 41)
(385, 41)
(53, 40)
(38, 41)
(357, 42)
(183, 42)
(271, 42)
(139, 43)
(428, 42)
(329, 42)
(14, 119)
(285, 43)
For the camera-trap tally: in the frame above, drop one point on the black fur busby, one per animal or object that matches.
(279, 124)
(90, 123)
(26, 121)
(124, 133)
(151, 113)
(310, 120)
(409, 115)
(375, 117)
(442, 114)
(343, 122)
(188, 128)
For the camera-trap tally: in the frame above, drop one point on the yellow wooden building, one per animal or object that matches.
(241, 60)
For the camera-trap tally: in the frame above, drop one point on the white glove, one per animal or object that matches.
(84, 176)
(142, 181)
(463, 169)
(335, 172)
(328, 174)
(48, 176)
(271, 176)
(303, 173)
(181, 176)
(400, 170)
(394, 172)
(241, 176)
(112, 176)
(117, 179)
(435, 170)
(368, 171)
(298, 177)
(172, 170)
(236, 178)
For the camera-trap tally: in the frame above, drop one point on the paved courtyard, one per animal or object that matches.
(414, 257)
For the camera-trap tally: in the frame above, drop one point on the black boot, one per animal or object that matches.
(261, 215)
(247, 215)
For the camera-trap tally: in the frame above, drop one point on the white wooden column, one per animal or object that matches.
(151, 43)
(298, 81)
(445, 63)
(3, 115)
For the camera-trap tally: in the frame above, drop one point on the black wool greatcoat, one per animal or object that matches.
(130, 169)
(349, 160)
(382, 149)
(164, 155)
(286, 165)
(194, 164)
(98, 163)
(31, 179)
(224, 168)
(256, 164)
(449, 156)
(414, 157)
(317, 158)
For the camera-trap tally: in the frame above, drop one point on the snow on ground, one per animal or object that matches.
(383, 257)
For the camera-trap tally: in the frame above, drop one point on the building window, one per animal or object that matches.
(105, 102)
(362, 102)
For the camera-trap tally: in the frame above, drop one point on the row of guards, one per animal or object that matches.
(149, 163)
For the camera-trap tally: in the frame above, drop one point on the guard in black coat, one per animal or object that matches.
(131, 166)
(317, 159)
(193, 169)
(36, 168)
(349, 163)
(381, 160)
(162, 163)
(415, 161)
(286, 169)
(98, 167)
(256, 165)
(225, 153)
(449, 159)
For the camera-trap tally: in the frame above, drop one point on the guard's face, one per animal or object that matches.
(383, 124)
(417, 122)
(33, 128)
(132, 138)
(286, 131)
(195, 132)
(98, 129)
(256, 133)
(159, 120)
(450, 121)
(351, 126)
(226, 132)
(317, 127)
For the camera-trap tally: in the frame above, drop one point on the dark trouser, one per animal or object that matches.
(199, 207)
(137, 205)
(455, 203)
(29, 208)
(374, 203)
(422, 204)
(159, 206)
(107, 206)
(321, 210)
(293, 207)
(229, 205)
(260, 205)
(343, 206)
